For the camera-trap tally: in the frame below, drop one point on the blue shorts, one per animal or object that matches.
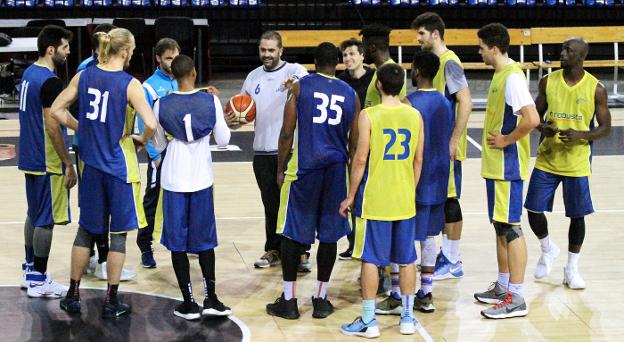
(48, 200)
(188, 221)
(383, 242)
(109, 202)
(504, 200)
(429, 220)
(455, 179)
(309, 206)
(576, 196)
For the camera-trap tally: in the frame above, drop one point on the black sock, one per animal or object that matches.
(41, 264)
(325, 260)
(74, 288)
(111, 294)
(102, 246)
(291, 253)
(207, 264)
(181, 268)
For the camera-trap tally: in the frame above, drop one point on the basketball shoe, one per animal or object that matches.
(513, 305)
(359, 328)
(494, 294)
(545, 262)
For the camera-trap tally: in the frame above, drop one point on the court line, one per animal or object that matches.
(472, 141)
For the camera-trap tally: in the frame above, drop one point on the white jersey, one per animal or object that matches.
(267, 90)
(188, 164)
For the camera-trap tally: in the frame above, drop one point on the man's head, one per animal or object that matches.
(183, 67)
(390, 78)
(352, 53)
(95, 43)
(429, 28)
(326, 55)
(573, 53)
(118, 42)
(166, 50)
(54, 41)
(376, 40)
(270, 49)
(493, 42)
(425, 66)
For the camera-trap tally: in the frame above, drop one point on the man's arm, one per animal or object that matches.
(152, 152)
(221, 131)
(358, 163)
(137, 100)
(541, 105)
(603, 116)
(159, 140)
(464, 108)
(353, 132)
(418, 155)
(287, 133)
(59, 108)
(530, 120)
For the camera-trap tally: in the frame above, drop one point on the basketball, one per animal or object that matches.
(243, 106)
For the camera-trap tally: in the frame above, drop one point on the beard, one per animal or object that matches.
(58, 60)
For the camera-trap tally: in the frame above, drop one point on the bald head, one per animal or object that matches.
(573, 52)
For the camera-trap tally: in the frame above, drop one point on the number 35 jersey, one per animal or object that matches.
(105, 123)
(387, 191)
(325, 111)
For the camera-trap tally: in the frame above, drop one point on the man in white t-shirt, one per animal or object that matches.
(268, 86)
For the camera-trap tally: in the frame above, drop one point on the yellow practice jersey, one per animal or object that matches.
(373, 97)
(568, 107)
(439, 82)
(512, 162)
(387, 191)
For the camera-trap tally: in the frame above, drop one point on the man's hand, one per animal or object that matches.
(288, 83)
(139, 141)
(280, 179)
(70, 176)
(549, 129)
(570, 135)
(231, 119)
(496, 140)
(345, 207)
(453, 148)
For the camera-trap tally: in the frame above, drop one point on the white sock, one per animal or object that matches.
(445, 245)
(517, 288)
(289, 289)
(503, 280)
(321, 289)
(454, 251)
(545, 244)
(573, 261)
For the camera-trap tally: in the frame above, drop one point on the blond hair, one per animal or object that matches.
(112, 43)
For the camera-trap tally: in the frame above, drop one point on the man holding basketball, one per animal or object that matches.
(268, 85)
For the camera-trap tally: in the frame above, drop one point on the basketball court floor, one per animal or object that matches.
(555, 312)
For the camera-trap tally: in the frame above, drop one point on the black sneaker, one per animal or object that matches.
(71, 304)
(322, 307)
(214, 307)
(110, 310)
(283, 308)
(346, 255)
(188, 311)
(147, 259)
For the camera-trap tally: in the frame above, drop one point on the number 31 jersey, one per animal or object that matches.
(105, 123)
(325, 111)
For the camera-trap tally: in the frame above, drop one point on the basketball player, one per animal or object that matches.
(159, 84)
(376, 40)
(358, 76)
(190, 116)
(431, 192)
(268, 85)
(451, 82)
(384, 173)
(509, 118)
(322, 109)
(110, 179)
(568, 101)
(44, 159)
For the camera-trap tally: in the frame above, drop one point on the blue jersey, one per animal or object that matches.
(105, 123)
(437, 115)
(36, 152)
(187, 117)
(325, 111)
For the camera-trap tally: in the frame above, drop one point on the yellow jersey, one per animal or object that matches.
(373, 97)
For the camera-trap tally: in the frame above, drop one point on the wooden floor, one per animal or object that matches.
(555, 312)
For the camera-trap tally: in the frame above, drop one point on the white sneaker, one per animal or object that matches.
(47, 288)
(100, 272)
(545, 262)
(93, 262)
(572, 279)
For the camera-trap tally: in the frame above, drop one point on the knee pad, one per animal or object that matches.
(500, 228)
(452, 211)
(83, 238)
(428, 252)
(118, 243)
(513, 233)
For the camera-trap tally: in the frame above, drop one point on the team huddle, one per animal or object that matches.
(353, 155)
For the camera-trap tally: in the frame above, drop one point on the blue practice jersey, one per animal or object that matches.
(105, 123)
(437, 115)
(36, 152)
(187, 117)
(325, 111)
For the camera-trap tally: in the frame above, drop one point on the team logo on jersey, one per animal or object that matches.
(566, 116)
(581, 100)
(494, 90)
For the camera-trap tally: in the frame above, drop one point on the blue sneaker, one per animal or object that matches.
(359, 328)
(147, 259)
(444, 269)
(27, 268)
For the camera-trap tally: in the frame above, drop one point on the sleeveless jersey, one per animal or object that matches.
(373, 97)
(187, 117)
